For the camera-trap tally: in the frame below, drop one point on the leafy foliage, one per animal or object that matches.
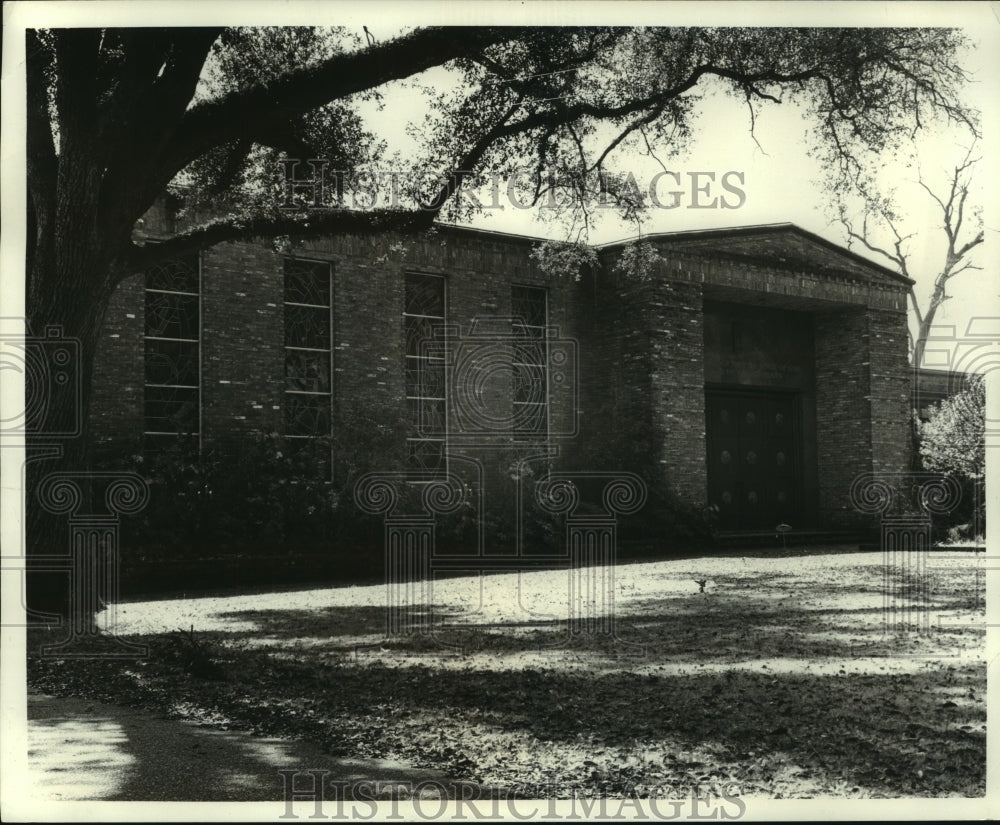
(263, 495)
(637, 260)
(194, 655)
(260, 497)
(246, 176)
(223, 105)
(565, 260)
(953, 441)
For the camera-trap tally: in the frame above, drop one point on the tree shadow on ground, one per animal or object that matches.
(764, 677)
(915, 733)
(893, 734)
(655, 631)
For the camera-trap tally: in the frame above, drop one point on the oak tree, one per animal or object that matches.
(117, 116)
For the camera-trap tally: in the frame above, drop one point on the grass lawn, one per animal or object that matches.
(776, 679)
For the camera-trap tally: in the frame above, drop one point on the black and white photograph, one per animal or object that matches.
(499, 411)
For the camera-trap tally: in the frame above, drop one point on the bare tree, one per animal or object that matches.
(963, 232)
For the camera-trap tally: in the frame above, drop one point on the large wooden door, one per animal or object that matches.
(754, 458)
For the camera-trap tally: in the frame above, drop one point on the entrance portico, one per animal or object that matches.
(784, 374)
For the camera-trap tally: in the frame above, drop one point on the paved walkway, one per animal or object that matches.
(80, 749)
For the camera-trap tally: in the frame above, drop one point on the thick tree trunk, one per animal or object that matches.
(63, 330)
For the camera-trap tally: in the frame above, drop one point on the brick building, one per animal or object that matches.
(759, 370)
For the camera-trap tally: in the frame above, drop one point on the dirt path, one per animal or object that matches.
(80, 749)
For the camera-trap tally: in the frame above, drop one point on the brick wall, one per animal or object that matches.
(843, 411)
(117, 416)
(862, 404)
(637, 347)
(729, 279)
(242, 336)
(644, 378)
(891, 391)
(677, 385)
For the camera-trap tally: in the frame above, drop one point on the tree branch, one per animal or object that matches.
(465, 165)
(969, 246)
(862, 238)
(175, 87)
(132, 182)
(916, 310)
(309, 225)
(132, 60)
(645, 120)
(299, 90)
(576, 111)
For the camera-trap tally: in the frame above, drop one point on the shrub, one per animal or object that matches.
(258, 494)
(953, 442)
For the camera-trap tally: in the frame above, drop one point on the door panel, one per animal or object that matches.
(753, 458)
(784, 460)
(753, 467)
(722, 441)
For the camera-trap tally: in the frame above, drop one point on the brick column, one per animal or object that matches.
(643, 380)
(862, 404)
(843, 418)
(243, 367)
(891, 378)
(675, 320)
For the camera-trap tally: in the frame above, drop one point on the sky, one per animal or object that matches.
(780, 183)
